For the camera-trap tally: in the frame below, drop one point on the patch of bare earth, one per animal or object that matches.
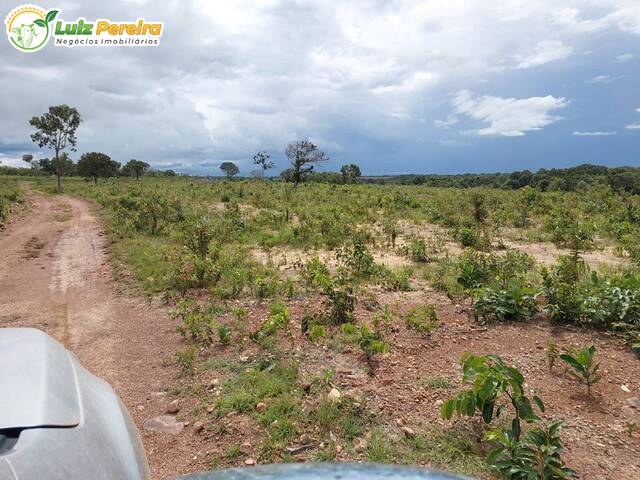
(598, 445)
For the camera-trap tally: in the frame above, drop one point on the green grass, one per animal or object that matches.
(436, 383)
(448, 449)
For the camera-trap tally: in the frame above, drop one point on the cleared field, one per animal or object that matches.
(327, 322)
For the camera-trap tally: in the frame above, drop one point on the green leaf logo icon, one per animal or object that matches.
(51, 15)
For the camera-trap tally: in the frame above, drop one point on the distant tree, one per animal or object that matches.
(262, 160)
(169, 173)
(230, 169)
(56, 130)
(60, 167)
(301, 154)
(135, 168)
(350, 173)
(95, 164)
(419, 180)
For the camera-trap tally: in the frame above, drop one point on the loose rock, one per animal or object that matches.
(164, 424)
(173, 407)
(634, 402)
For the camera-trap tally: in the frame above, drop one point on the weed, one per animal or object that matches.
(551, 353)
(224, 334)
(423, 319)
(186, 359)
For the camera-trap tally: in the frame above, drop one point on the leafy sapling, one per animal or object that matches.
(491, 380)
(584, 370)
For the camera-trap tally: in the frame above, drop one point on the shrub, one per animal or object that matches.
(564, 297)
(468, 237)
(348, 328)
(516, 302)
(186, 359)
(194, 322)
(193, 271)
(197, 233)
(371, 343)
(536, 457)
(316, 273)
(417, 250)
(356, 259)
(397, 279)
(278, 319)
(317, 331)
(342, 303)
(148, 213)
(423, 319)
(491, 379)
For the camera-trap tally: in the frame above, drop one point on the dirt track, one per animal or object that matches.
(55, 275)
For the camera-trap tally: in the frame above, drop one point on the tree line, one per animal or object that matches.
(56, 130)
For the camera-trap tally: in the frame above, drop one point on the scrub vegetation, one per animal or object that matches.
(301, 304)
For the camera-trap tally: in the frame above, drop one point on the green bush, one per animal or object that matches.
(515, 302)
(536, 457)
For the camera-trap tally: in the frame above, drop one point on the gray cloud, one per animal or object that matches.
(230, 78)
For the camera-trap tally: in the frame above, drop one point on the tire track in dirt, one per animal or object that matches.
(66, 287)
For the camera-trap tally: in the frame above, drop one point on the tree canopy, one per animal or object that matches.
(302, 155)
(230, 169)
(56, 130)
(95, 165)
(135, 168)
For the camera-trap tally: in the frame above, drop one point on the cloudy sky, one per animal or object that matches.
(444, 86)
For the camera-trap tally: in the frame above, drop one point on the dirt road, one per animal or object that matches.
(55, 275)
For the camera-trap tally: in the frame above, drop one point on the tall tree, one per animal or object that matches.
(95, 164)
(230, 169)
(302, 154)
(56, 130)
(135, 168)
(262, 160)
(350, 173)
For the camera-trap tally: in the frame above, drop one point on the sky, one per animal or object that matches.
(431, 86)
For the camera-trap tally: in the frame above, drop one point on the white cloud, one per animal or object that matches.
(604, 79)
(633, 126)
(509, 117)
(592, 134)
(625, 57)
(544, 52)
